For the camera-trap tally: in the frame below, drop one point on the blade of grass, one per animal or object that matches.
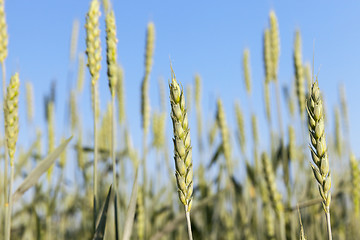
(101, 221)
(35, 174)
(129, 221)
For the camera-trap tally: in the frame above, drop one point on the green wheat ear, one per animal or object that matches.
(318, 146)
(182, 144)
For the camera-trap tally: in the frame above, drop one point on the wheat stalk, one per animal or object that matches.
(93, 51)
(318, 149)
(112, 71)
(267, 101)
(182, 147)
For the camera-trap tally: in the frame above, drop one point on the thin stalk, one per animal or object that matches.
(278, 105)
(144, 178)
(8, 214)
(282, 226)
(95, 154)
(187, 214)
(5, 146)
(113, 157)
(328, 223)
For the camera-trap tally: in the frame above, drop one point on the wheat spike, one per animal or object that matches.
(74, 39)
(120, 93)
(246, 68)
(221, 119)
(275, 43)
(268, 64)
(81, 73)
(197, 95)
(299, 73)
(292, 144)
(318, 146)
(307, 75)
(73, 111)
(93, 47)
(11, 115)
(140, 214)
(3, 33)
(51, 132)
(189, 97)
(274, 195)
(158, 128)
(338, 138)
(355, 181)
(145, 100)
(182, 143)
(29, 101)
(80, 153)
(241, 126)
(111, 50)
(254, 127)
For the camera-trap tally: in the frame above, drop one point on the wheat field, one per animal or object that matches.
(186, 173)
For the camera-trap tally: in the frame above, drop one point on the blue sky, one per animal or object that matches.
(205, 37)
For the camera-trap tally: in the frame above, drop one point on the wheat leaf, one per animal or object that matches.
(35, 174)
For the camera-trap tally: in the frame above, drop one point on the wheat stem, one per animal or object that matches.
(5, 147)
(328, 224)
(95, 153)
(188, 221)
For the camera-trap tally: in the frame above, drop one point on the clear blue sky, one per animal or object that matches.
(205, 37)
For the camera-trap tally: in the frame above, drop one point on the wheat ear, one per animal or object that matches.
(273, 194)
(246, 67)
(12, 131)
(355, 182)
(299, 74)
(182, 147)
(275, 43)
(29, 101)
(241, 127)
(318, 149)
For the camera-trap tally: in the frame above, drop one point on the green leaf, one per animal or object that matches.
(101, 222)
(130, 214)
(35, 174)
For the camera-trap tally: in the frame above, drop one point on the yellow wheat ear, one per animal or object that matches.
(111, 51)
(3, 33)
(11, 115)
